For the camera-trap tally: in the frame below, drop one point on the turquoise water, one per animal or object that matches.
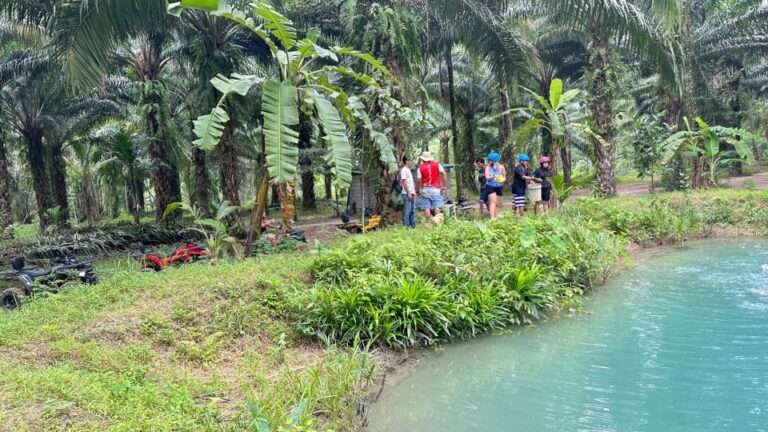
(677, 343)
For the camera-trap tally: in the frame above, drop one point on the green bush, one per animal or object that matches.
(403, 289)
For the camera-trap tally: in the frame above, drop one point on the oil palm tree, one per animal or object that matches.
(71, 117)
(610, 24)
(149, 58)
(125, 152)
(714, 41)
(300, 85)
(25, 104)
(216, 46)
(6, 212)
(474, 88)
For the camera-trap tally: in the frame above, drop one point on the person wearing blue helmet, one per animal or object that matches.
(495, 176)
(520, 182)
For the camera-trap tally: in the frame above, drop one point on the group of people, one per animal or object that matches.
(492, 177)
(432, 180)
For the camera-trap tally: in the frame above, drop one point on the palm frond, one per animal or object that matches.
(476, 26)
(85, 32)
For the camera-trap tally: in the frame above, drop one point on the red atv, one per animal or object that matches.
(154, 261)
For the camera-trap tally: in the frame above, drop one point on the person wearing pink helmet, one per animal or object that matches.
(543, 175)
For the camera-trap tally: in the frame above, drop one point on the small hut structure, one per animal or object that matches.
(362, 192)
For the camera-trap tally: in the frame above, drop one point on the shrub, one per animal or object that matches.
(403, 289)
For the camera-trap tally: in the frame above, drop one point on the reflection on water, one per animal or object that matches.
(678, 343)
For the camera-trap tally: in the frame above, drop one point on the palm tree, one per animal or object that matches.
(125, 152)
(714, 42)
(71, 117)
(300, 84)
(479, 25)
(216, 47)
(25, 103)
(474, 88)
(148, 60)
(6, 212)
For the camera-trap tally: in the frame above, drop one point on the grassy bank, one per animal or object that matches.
(251, 343)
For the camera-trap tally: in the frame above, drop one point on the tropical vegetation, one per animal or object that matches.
(149, 121)
(205, 102)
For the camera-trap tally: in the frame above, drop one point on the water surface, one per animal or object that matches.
(677, 343)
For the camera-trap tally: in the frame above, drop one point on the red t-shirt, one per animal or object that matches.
(429, 173)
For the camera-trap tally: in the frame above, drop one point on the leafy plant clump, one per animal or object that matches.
(455, 281)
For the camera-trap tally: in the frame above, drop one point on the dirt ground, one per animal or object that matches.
(758, 180)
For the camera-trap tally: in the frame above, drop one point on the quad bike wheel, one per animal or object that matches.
(69, 284)
(11, 298)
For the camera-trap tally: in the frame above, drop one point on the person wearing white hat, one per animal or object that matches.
(431, 181)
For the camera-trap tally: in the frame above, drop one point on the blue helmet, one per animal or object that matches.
(494, 157)
(524, 158)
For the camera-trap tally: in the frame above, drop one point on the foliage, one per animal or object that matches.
(213, 231)
(91, 240)
(648, 132)
(552, 113)
(298, 88)
(402, 290)
(706, 142)
(563, 191)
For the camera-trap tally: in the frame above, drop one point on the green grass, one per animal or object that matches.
(248, 342)
(26, 232)
(179, 350)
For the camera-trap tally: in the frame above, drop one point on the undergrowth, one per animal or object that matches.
(279, 342)
(402, 289)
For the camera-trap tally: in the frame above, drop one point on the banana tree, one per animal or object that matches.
(551, 114)
(705, 142)
(305, 90)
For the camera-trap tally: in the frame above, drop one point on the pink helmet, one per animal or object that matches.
(543, 160)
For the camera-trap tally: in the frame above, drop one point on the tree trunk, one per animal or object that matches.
(59, 182)
(469, 148)
(165, 176)
(602, 112)
(36, 157)
(6, 213)
(201, 193)
(454, 123)
(308, 200)
(275, 196)
(698, 179)
(259, 209)
(674, 117)
(328, 179)
(230, 170)
(287, 204)
(505, 129)
(445, 139)
(565, 157)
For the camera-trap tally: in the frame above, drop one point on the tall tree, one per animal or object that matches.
(148, 59)
(6, 212)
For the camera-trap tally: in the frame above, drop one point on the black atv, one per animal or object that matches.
(33, 280)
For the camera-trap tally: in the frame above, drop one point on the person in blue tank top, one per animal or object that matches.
(495, 176)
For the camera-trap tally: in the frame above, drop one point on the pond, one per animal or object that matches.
(677, 343)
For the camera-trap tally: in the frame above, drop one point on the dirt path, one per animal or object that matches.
(759, 180)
